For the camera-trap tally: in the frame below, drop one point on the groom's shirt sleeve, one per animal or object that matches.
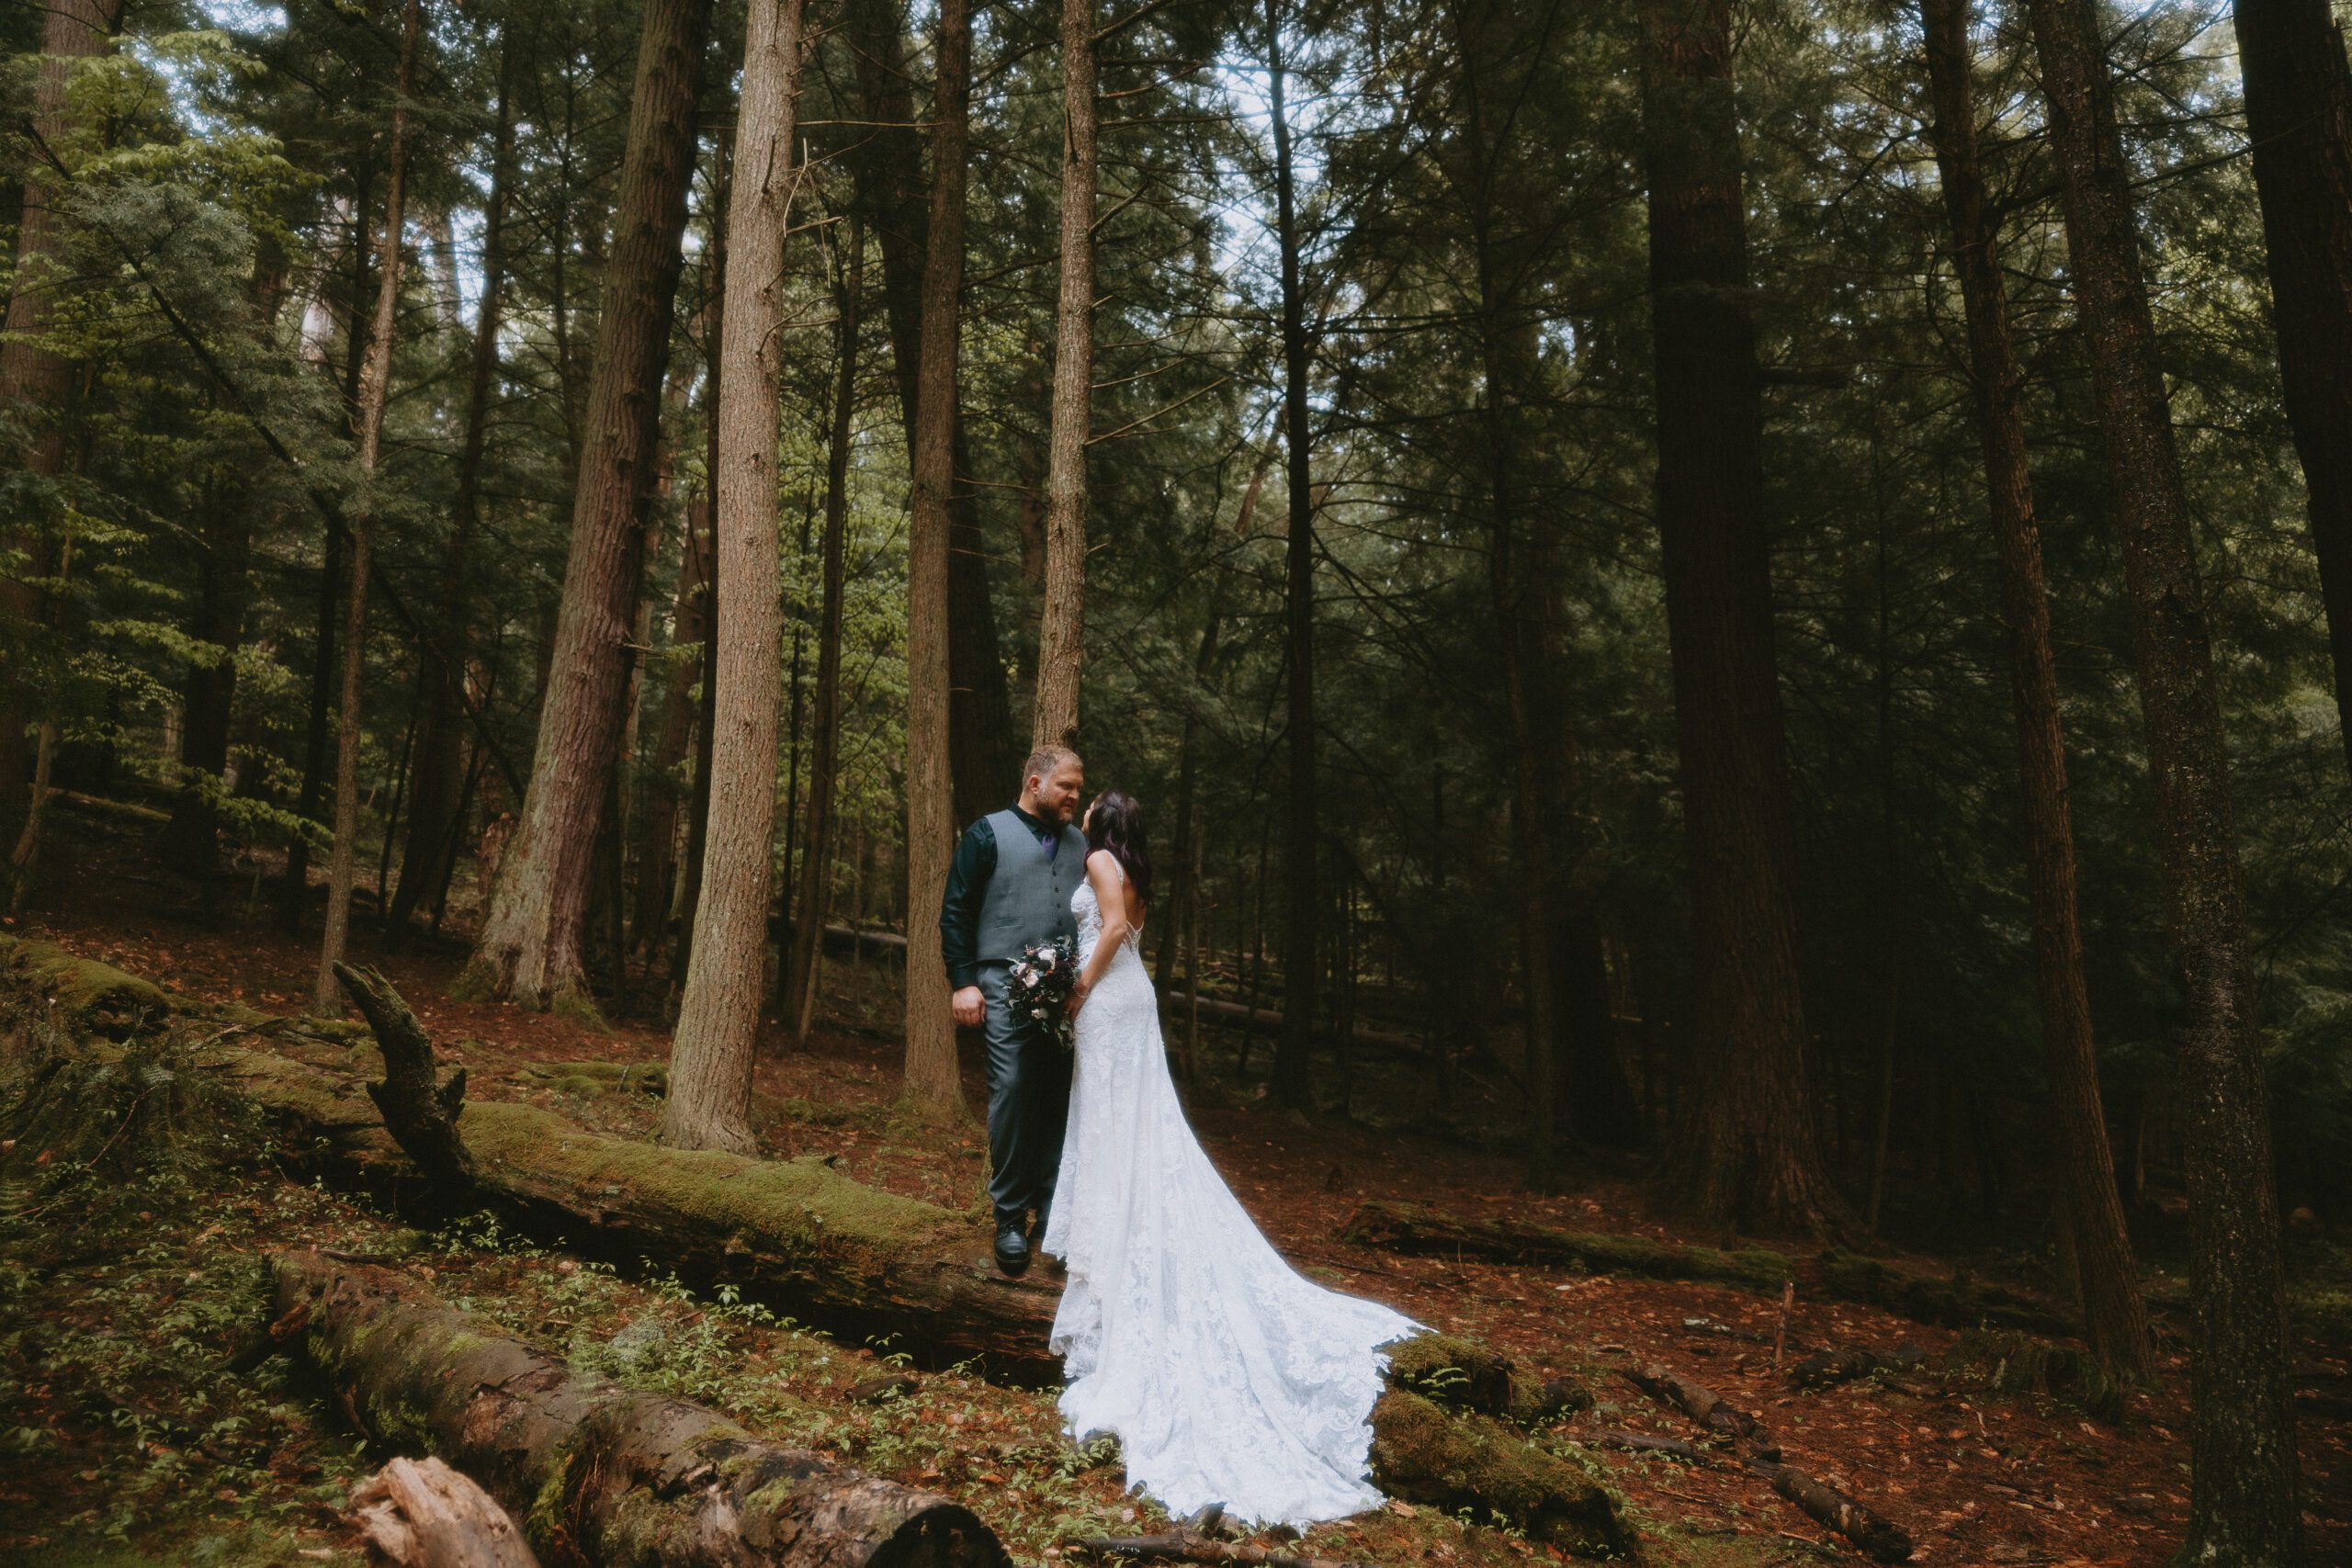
(959, 911)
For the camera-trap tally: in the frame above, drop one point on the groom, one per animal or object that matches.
(1010, 886)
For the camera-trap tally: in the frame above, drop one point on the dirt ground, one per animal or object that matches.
(1975, 1476)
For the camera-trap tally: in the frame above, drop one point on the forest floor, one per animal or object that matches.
(124, 1438)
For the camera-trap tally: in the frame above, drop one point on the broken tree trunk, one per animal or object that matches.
(1701, 1404)
(796, 1236)
(1959, 1301)
(1881, 1538)
(1878, 1537)
(429, 1516)
(602, 1474)
(419, 1116)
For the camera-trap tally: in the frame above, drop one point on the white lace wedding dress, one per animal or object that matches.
(1227, 1377)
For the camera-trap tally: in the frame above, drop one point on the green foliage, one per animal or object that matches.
(1477, 284)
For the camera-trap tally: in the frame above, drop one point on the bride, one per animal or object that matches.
(1227, 1377)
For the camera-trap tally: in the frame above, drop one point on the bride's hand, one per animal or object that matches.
(1078, 997)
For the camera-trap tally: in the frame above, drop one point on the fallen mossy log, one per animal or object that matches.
(1428, 1455)
(1959, 1301)
(798, 1235)
(596, 1472)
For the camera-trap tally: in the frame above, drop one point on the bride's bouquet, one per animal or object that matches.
(1043, 979)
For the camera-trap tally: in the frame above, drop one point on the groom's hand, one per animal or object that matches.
(968, 1006)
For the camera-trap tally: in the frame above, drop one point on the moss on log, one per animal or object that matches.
(1959, 1302)
(1472, 1462)
(599, 1473)
(795, 1236)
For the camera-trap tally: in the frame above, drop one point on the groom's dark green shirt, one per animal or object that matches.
(967, 883)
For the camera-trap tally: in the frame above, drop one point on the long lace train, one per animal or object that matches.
(1227, 1376)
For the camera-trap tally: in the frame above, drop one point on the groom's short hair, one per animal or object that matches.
(1044, 761)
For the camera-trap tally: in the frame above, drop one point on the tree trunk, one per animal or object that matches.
(2114, 1314)
(933, 1079)
(1304, 906)
(1061, 634)
(886, 159)
(656, 868)
(2299, 114)
(530, 949)
(719, 1018)
(654, 824)
(695, 704)
(595, 1471)
(2244, 1471)
(375, 390)
(1749, 1155)
(441, 745)
(224, 544)
(36, 384)
(824, 757)
(1186, 856)
(297, 892)
(1511, 596)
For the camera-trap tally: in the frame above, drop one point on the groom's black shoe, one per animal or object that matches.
(1011, 1247)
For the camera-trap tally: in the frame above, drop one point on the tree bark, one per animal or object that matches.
(433, 826)
(718, 1018)
(2115, 1317)
(2244, 1486)
(531, 944)
(1061, 634)
(375, 390)
(824, 755)
(1302, 970)
(688, 892)
(1749, 1155)
(2299, 114)
(37, 383)
(599, 1472)
(886, 160)
(934, 1077)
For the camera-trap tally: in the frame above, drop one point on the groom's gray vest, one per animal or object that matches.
(1028, 895)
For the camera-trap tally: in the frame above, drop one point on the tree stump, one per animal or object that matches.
(421, 1117)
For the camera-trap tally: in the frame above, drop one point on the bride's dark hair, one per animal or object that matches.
(1116, 825)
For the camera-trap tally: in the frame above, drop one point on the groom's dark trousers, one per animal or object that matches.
(1029, 1080)
(1007, 888)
